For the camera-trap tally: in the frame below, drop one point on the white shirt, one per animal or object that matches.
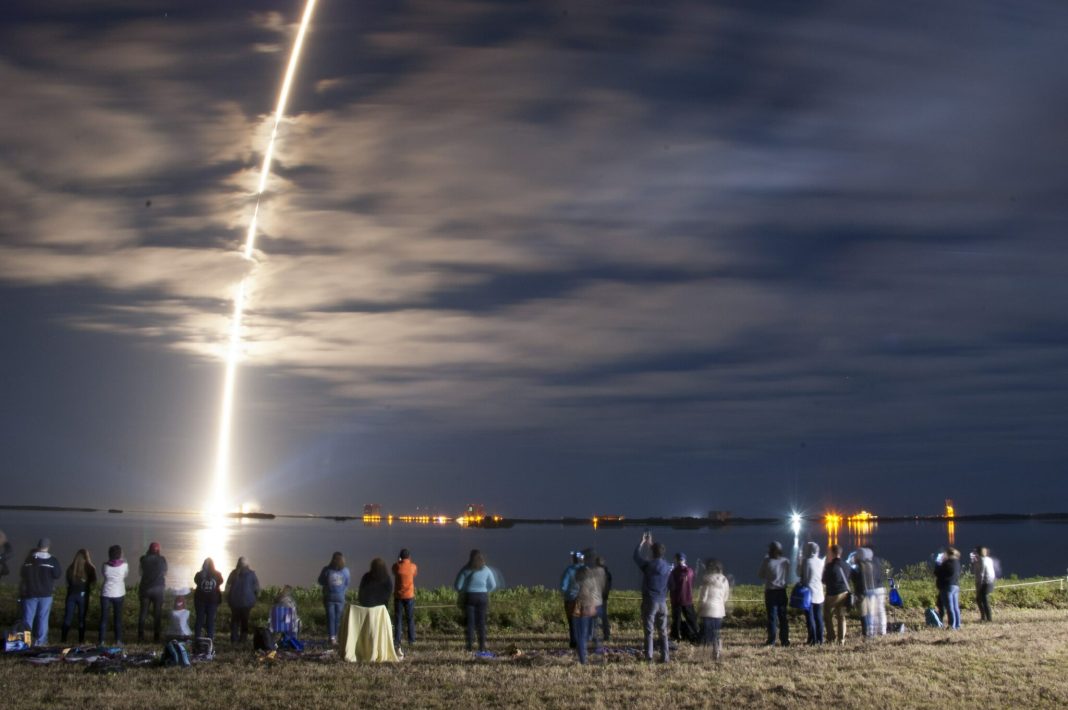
(774, 572)
(114, 581)
(810, 571)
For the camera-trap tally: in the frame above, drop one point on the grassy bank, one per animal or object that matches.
(1018, 661)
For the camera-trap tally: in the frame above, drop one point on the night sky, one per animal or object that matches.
(562, 258)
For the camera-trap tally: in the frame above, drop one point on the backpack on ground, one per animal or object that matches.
(933, 620)
(263, 639)
(291, 643)
(895, 596)
(19, 638)
(204, 647)
(174, 654)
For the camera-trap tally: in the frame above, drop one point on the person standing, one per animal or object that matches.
(334, 580)
(774, 572)
(81, 578)
(113, 593)
(712, 599)
(475, 581)
(680, 587)
(947, 580)
(37, 583)
(606, 629)
(649, 557)
(810, 574)
(404, 571)
(150, 591)
(207, 596)
(569, 593)
(590, 580)
(836, 601)
(242, 591)
(985, 574)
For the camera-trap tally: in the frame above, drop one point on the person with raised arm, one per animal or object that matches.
(649, 557)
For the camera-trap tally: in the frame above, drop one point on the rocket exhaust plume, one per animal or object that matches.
(219, 501)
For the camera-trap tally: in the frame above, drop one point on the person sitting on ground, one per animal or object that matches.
(810, 574)
(404, 571)
(985, 574)
(474, 583)
(569, 593)
(774, 572)
(334, 580)
(680, 586)
(376, 588)
(712, 598)
(242, 591)
(150, 590)
(591, 580)
(113, 592)
(178, 625)
(283, 618)
(649, 557)
(37, 583)
(207, 597)
(81, 578)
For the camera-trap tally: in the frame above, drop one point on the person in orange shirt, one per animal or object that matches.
(404, 571)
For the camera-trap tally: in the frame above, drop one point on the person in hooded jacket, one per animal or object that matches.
(680, 587)
(810, 574)
(711, 602)
(334, 580)
(207, 596)
(37, 583)
(242, 591)
(150, 591)
(113, 592)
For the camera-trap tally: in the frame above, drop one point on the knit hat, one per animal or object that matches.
(153, 548)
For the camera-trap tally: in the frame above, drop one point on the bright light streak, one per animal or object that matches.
(221, 483)
(795, 523)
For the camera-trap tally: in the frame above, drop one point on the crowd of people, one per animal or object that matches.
(826, 589)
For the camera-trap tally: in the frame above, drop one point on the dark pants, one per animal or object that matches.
(710, 630)
(477, 603)
(814, 624)
(239, 623)
(683, 622)
(569, 614)
(205, 619)
(407, 608)
(115, 605)
(775, 604)
(602, 612)
(982, 598)
(585, 628)
(77, 603)
(154, 598)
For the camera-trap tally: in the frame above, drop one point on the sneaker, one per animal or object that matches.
(400, 653)
(333, 640)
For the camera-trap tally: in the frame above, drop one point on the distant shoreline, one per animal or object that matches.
(609, 522)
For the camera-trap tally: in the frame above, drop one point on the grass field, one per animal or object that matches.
(1020, 660)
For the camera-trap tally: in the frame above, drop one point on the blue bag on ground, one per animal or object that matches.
(801, 598)
(895, 596)
(931, 617)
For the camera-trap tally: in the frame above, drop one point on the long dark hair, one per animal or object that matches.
(115, 552)
(713, 566)
(81, 568)
(476, 561)
(378, 569)
(208, 566)
(337, 561)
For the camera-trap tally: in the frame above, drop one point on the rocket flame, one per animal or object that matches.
(220, 489)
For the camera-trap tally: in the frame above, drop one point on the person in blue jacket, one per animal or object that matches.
(569, 590)
(649, 557)
(334, 579)
(474, 582)
(242, 591)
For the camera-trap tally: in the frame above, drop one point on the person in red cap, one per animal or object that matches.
(153, 582)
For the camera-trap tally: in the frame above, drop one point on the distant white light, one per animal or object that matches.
(795, 523)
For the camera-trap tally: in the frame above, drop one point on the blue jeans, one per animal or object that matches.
(150, 598)
(710, 630)
(35, 612)
(655, 615)
(334, 610)
(77, 607)
(814, 623)
(950, 599)
(115, 605)
(584, 629)
(775, 604)
(205, 619)
(407, 608)
(475, 609)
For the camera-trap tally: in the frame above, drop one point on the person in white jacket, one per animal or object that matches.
(983, 569)
(810, 574)
(711, 605)
(113, 592)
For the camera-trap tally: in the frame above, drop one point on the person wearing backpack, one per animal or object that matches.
(81, 578)
(404, 571)
(810, 574)
(150, 590)
(242, 590)
(37, 583)
(836, 599)
(774, 571)
(207, 595)
(113, 592)
(334, 579)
